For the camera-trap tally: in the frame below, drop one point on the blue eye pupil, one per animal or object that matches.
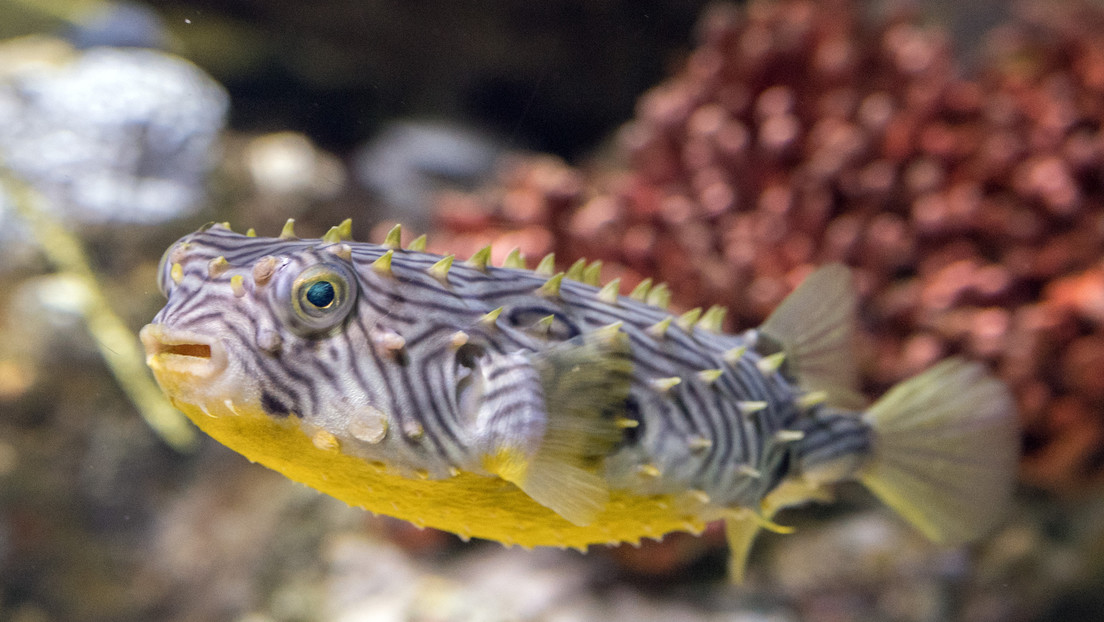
(320, 294)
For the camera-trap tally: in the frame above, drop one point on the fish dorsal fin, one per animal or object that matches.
(815, 326)
(584, 382)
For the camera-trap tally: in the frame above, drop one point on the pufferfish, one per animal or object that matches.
(537, 408)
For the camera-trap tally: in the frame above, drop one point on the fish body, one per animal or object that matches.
(538, 409)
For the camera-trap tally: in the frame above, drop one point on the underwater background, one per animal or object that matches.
(953, 156)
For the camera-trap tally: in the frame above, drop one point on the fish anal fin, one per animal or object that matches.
(815, 326)
(740, 530)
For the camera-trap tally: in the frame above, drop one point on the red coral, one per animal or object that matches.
(971, 209)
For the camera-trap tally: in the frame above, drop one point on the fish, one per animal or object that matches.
(542, 408)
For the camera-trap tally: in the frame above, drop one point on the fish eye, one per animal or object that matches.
(321, 294)
(321, 297)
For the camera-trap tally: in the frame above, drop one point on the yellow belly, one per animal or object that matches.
(468, 504)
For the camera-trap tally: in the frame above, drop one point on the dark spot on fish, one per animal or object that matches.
(766, 345)
(774, 466)
(632, 436)
(466, 360)
(529, 318)
(273, 406)
(468, 355)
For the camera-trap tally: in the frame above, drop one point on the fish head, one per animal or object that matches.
(242, 313)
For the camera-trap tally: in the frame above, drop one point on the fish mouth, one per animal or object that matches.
(181, 351)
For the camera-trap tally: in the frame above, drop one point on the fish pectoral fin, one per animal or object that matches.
(572, 492)
(585, 383)
(815, 327)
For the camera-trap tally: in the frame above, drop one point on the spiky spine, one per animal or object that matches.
(687, 320)
(709, 376)
(713, 319)
(788, 436)
(640, 292)
(441, 269)
(288, 232)
(383, 264)
(770, 364)
(458, 339)
(751, 407)
(217, 266)
(610, 292)
(514, 259)
(547, 265)
(664, 385)
(545, 324)
(342, 232)
(551, 287)
(659, 296)
(480, 258)
(491, 317)
(734, 355)
(812, 398)
(659, 329)
(575, 272)
(609, 333)
(394, 237)
(343, 251)
(593, 273)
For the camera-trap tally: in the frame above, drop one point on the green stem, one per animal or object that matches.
(117, 344)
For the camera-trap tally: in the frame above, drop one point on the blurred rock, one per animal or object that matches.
(286, 165)
(410, 161)
(871, 558)
(113, 135)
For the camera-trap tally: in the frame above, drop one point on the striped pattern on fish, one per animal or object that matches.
(542, 409)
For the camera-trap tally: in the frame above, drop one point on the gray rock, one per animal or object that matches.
(123, 135)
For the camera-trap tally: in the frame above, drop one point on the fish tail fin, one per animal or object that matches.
(945, 450)
(815, 328)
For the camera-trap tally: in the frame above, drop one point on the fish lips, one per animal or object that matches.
(182, 352)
